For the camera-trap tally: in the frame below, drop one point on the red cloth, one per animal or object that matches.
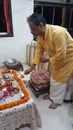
(40, 78)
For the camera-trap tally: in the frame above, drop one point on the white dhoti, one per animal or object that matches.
(59, 91)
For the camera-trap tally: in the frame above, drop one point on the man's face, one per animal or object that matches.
(36, 30)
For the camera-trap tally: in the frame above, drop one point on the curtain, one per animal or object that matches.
(5, 2)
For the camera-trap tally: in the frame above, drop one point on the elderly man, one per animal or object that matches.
(59, 44)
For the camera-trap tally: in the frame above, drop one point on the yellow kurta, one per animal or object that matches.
(59, 44)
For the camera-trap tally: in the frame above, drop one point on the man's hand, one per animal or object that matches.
(44, 60)
(30, 69)
(27, 71)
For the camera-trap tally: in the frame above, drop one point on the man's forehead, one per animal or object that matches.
(32, 25)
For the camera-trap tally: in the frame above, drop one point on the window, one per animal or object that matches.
(56, 13)
(6, 29)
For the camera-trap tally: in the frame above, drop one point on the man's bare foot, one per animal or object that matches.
(45, 97)
(53, 106)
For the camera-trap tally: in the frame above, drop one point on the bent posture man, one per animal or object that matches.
(59, 44)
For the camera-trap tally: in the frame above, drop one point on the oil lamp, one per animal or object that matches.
(22, 74)
(22, 95)
(11, 71)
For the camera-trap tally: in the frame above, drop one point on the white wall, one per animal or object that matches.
(15, 47)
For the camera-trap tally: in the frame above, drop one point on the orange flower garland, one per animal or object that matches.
(17, 102)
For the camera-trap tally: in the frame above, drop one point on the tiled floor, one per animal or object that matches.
(58, 119)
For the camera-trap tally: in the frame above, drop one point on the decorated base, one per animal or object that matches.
(8, 88)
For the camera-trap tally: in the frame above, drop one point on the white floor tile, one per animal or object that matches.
(57, 119)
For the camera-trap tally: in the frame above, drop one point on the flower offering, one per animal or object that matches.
(9, 88)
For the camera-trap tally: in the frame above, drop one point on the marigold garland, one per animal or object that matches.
(17, 102)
